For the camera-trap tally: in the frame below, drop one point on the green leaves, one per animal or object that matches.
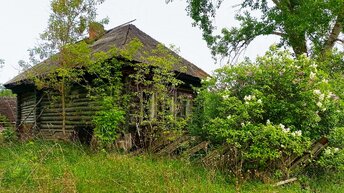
(108, 121)
(296, 22)
(269, 108)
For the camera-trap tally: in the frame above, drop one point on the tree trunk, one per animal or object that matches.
(298, 43)
(63, 103)
(332, 38)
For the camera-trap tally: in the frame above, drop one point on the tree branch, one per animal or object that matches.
(278, 33)
(340, 40)
(333, 37)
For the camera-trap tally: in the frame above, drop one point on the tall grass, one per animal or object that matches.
(65, 167)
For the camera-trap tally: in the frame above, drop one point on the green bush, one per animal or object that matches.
(269, 108)
(8, 134)
(333, 157)
(108, 122)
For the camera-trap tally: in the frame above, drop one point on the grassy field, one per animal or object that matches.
(60, 167)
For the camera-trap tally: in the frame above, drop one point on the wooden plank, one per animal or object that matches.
(215, 154)
(315, 150)
(193, 150)
(174, 145)
(285, 182)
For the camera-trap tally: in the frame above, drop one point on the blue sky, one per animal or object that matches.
(22, 22)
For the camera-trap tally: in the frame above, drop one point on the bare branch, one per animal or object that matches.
(278, 33)
(340, 40)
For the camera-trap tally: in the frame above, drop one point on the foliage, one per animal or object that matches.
(143, 90)
(47, 166)
(8, 134)
(5, 92)
(106, 86)
(306, 26)
(333, 157)
(108, 122)
(155, 89)
(67, 24)
(269, 108)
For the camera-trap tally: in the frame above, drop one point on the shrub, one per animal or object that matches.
(333, 156)
(8, 134)
(108, 122)
(269, 108)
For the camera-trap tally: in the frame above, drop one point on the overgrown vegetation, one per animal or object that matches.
(7, 132)
(270, 110)
(5, 92)
(50, 167)
(141, 94)
(67, 24)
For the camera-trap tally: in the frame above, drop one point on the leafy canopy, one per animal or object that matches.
(307, 26)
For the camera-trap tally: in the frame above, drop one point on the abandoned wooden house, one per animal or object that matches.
(38, 116)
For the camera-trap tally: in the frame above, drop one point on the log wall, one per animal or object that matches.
(79, 112)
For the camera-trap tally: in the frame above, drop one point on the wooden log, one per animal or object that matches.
(315, 150)
(215, 154)
(196, 148)
(285, 182)
(174, 145)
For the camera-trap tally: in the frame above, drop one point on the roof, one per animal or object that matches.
(117, 37)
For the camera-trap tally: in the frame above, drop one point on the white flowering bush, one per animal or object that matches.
(333, 157)
(269, 108)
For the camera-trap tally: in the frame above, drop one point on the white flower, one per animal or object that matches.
(298, 133)
(319, 104)
(328, 151)
(317, 92)
(246, 103)
(247, 98)
(259, 101)
(325, 81)
(286, 130)
(268, 122)
(329, 95)
(242, 124)
(312, 75)
(225, 97)
(282, 126)
(314, 66)
(282, 146)
(336, 150)
(229, 117)
(321, 97)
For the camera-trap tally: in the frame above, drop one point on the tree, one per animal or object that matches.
(308, 27)
(60, 43)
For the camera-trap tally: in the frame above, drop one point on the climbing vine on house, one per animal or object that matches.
(135, 94)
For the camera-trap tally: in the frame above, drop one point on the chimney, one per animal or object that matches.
(95, 31)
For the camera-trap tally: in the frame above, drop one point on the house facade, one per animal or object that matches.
(40, 115)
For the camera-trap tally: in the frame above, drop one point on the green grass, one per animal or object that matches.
(61, 167)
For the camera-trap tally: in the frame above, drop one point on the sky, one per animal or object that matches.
(22, 22)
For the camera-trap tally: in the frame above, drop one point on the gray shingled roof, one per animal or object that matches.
(117, 37)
